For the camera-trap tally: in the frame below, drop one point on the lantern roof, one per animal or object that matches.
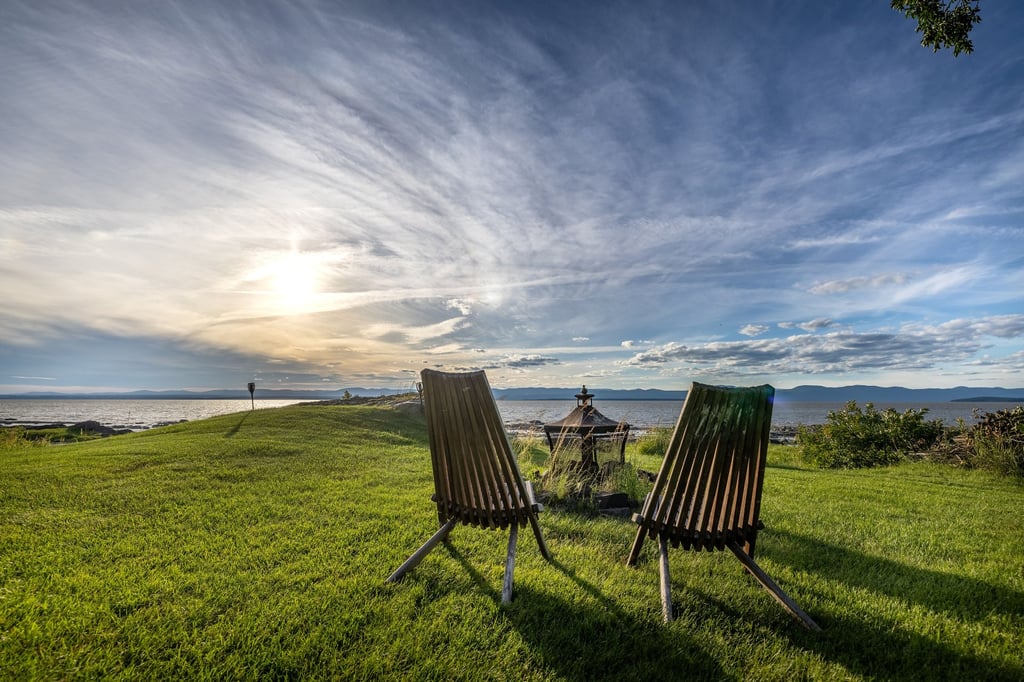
(585, 418)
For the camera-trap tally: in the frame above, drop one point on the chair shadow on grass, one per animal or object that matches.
(589, 639)
(879, 644)
(960, 596)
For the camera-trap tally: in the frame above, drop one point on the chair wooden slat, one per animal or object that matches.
(707, 495)
(476, 479)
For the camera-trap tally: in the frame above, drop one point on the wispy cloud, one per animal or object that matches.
(917, 347)
(353, 191)
(843, 286)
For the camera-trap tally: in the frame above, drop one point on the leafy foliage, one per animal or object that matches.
(942, 23)
(998, 442)
(854, 438)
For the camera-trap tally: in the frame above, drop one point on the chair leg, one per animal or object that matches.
(634, 553)
(665, 580)
(540, 537)
(510, 564)
(748, 546)
(776, 591)
(534, 523)
(423, 551)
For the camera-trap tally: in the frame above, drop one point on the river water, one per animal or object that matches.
(640, 414)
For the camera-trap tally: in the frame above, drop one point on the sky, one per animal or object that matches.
(321, 195)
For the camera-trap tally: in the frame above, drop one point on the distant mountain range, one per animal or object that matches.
(811, 394)
(215, 394)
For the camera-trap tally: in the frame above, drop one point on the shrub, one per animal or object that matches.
(998, 442)
(854, 438)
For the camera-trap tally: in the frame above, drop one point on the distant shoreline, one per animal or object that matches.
(805, 393)
(988, 399)
(149, 412)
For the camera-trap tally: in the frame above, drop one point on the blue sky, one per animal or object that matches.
(330, 194)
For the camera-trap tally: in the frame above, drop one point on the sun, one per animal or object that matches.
(287, 282)
(290, 282)
(293, 279)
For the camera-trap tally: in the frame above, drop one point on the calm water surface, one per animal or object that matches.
(654, 413)
(641, 414)
(123, 413)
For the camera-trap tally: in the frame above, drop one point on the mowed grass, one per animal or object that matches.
(255, 546)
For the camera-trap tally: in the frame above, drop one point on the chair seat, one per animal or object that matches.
(491, 517)
(696, 539)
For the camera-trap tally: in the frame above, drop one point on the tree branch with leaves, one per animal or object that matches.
(943, 23)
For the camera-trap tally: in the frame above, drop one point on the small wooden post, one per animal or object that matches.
(252, 394)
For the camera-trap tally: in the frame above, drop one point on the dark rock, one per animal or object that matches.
(783, 435)
(93, 427)
(612, 500)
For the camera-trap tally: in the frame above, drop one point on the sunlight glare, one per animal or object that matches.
(294, 279)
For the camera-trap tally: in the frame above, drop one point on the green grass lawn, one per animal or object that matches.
(255, 545)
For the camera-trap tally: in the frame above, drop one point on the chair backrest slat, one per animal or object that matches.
(499, 499)
(509, 491)
(476, 478)
(708, 489)
(467, 454)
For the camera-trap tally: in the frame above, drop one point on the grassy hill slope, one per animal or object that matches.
(255, 545)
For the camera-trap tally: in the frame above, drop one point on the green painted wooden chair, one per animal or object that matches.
(476, 479)
(707, 495)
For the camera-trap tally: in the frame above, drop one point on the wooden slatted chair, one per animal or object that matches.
(476, 479)
(707, 495)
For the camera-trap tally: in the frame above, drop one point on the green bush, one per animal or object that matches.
(998, 442)
(854, 438)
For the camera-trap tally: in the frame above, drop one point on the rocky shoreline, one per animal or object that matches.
(88, 427)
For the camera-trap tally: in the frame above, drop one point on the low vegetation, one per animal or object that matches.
(856, 438)
(997, 442)
(255, 546)
(15, 436)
